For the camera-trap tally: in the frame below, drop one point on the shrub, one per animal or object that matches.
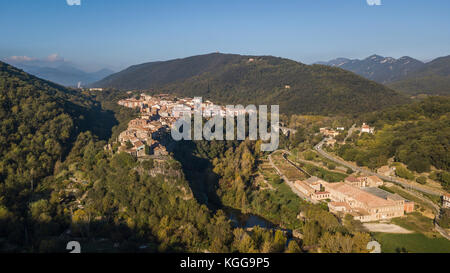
(148, 164)
(419, 165)
(421, 180)
(277, 180)
(309, 155)
(402, 172)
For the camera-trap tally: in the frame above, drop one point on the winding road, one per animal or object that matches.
(318, 148)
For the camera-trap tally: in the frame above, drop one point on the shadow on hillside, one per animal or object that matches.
(202, 180)
(93, 237)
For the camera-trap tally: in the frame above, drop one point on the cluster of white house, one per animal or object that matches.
(446, 201)
(330, 134)
(357, 196)
(367, 129)
(157, 115)
(165, 105)
(142, 132)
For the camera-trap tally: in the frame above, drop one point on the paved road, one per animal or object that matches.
(318, 148)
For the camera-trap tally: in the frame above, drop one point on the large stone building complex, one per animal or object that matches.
(357, 196)
(365, 204)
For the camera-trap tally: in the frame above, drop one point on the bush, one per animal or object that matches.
(349, 171)
(148, 164)
(421, 179)
(445, 218)
(309, 155)
(433, 176)
(402, 172)
(277, 180)
(419, 165)
(331, 166)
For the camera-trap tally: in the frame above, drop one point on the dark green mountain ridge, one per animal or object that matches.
(238, 79)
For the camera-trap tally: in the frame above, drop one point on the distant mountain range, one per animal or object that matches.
(432, 78)
(59, 71)
(237, 79)
(405, 74)
(378, 68)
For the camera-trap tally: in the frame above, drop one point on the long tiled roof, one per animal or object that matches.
(366, 198)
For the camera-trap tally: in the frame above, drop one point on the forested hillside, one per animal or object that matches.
(39, 121)
(148, 75)
(417, 135)
(224, 174)
(235, 79)
(58, 183)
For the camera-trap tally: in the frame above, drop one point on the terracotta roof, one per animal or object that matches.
(375, 178)
(352, 179)
(138, 144)
(340, 204)
(366, 198)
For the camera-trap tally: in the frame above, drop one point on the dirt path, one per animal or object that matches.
(386, 228)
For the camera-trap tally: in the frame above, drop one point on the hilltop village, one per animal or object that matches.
(157, 115)
(358, 196)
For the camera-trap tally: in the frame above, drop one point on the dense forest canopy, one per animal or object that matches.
(417, 135)
(39, 121)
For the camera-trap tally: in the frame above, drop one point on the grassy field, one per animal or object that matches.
(316, 170)
(326, 175)
(424, 240)
(415, 221)
(412, 243)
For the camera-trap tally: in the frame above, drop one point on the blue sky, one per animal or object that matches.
(118, 33)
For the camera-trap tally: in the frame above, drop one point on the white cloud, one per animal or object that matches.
(54, 57)
(374, 2)
(21, 58)
(74, 2)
